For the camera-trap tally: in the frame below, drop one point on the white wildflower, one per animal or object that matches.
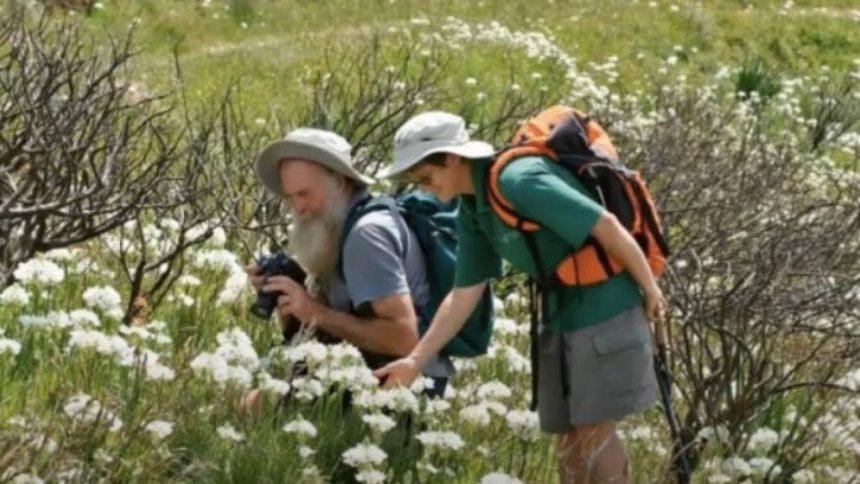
(355, 378)
(40, 271)
(221, 371)
(737, 466)
(236, 348)
(15, 295)
(524, 424)
(300, 426)
(506, 326)
(641, 433)
(228, 432)
(169, 224)
(719, 433)
(370, 476)
(217, 259)
(54, 319)
(763, 439)
(188, 280)
(159, 429)
(84, 408)
(499, 478)
(364, 454)
(307, 389)
(497, 408)
(475, 415)
(234, 287)
(437, 406)
(41, 442)
(305, 452)
(762, 465)
(185, 300)
(9, 346)
(27, 479)
(494, 389)
(155, 371)
(116, 313)
(110, 346)
(311, 352)
(273, 385)
(80, 317)
(18, 421)
(804, 476)
(102, 456)
(104, 298)
(344, 352)
(136, 331)
(379, 422)
(442, 440)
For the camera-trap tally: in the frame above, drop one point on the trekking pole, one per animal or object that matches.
(680, 460)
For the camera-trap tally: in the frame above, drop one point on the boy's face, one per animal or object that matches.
(441, 181)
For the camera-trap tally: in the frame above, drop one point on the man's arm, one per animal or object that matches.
(449, 319)
(391, 330)
(621, 246)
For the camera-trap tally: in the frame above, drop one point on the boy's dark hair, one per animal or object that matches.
(436, 159)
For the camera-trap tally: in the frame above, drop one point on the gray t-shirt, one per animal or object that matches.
(378, 262)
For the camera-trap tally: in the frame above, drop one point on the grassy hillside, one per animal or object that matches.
(741, 114)
(268, 44)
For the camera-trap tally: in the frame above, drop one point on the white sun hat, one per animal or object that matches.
(320, 146)
(429, 133)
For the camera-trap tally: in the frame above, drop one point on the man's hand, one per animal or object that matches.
(400, 372)
(655, 304)
(655, 311)
(294, 299)
(255, 277)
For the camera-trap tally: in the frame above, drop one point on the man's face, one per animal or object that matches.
(319, 203)
(441, 181)
(304, 186)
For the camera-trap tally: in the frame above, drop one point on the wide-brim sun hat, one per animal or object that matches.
(320, 146)
(430, 133)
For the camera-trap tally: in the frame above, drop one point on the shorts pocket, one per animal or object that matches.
(623, 358)
(618, 339)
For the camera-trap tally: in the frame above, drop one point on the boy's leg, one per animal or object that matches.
(592, 453)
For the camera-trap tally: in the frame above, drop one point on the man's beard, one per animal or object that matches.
(315, 239)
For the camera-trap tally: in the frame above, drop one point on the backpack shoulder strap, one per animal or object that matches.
(367, 205)
(503, 208)
(560, 133)
(533, 138)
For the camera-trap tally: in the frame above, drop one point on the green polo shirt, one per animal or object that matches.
(543, 191)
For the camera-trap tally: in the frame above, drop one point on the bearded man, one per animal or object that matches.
(369, 293)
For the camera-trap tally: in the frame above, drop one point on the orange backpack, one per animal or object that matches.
(578, 143)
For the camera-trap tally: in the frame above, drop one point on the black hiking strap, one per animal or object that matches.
(650, 219)
(364, 206)
(534, 313)
(680, 456)
(602, 256)
(538, 307)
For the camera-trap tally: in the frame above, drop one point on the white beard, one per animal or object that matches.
(315, 240)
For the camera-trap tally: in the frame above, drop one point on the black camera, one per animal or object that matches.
(278, 264)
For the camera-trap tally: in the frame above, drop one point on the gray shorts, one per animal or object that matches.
(608, 368)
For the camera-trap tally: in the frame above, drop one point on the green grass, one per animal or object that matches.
(267, 44)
